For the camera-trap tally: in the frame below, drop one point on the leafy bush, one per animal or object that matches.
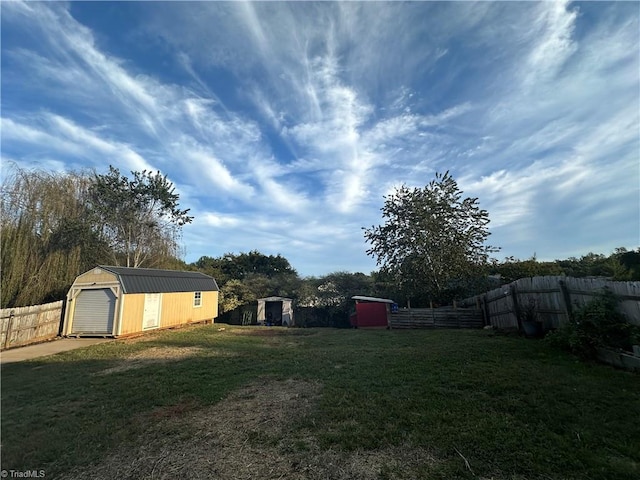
(595, 325)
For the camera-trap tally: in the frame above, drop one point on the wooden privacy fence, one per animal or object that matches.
(447, 317)
(25, 325)
(553, 298)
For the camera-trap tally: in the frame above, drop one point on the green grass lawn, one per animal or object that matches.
(428, 403)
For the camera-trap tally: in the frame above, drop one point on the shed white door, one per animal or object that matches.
(94, 312)
(151, 316)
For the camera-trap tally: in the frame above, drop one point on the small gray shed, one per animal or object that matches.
(275, 311)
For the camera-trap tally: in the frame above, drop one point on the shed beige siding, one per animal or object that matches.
(92, 277)
(176, 309)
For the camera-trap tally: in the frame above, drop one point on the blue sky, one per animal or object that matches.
(283, 125)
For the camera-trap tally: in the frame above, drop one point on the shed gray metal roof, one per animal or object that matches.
(151, 280)
(274, 299)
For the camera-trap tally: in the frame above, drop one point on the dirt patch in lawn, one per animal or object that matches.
(156, 355)
(251, 434)
(165, 353)
(271, 331)
(274, 337)
(259, 332)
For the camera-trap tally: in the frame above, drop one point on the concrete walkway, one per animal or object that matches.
(48, 348)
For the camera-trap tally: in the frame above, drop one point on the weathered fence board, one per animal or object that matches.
(553, 297)
(25, 325)
(444, 317)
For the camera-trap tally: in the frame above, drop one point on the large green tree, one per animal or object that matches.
(139, 218)
(245, 277)
(327, 300)
(431, 239)
(629, 260)
(621, 265)
(512, 269)
(55, 225)
(334, 289)
(47, 236)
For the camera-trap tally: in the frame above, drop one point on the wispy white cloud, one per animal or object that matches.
(219, 139)
(61, 135)
(552, 28)
(219, 220)
(296, 119)
(16, 132)
(278, 190)
(204, 164)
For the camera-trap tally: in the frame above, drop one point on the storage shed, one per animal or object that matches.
(275, 311)
(371, 312)
(114, 301)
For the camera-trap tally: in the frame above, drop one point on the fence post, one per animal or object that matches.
(566, 297)
(8, 335)
(63, 310)
(516, 306)
(455, 309)
(486, 318)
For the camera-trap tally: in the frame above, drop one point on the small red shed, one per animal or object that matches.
(371, 312)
